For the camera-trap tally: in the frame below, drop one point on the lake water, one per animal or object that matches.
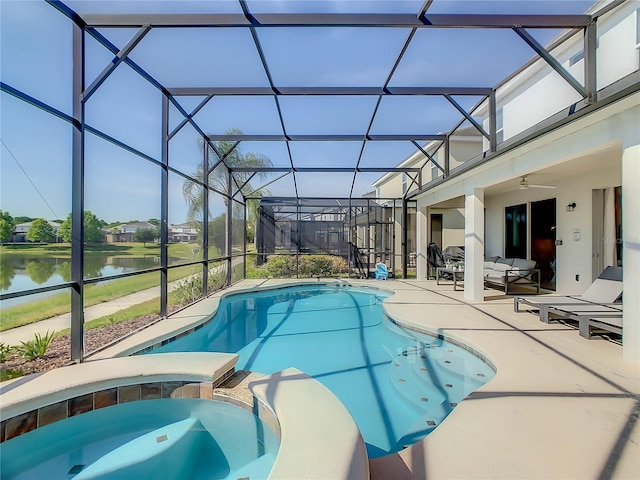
(22, 272)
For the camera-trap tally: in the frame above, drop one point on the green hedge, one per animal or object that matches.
(283, 266)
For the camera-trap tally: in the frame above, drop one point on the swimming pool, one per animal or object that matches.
(161, 438)
(397, 384)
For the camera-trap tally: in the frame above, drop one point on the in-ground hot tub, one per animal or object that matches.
(160, 438)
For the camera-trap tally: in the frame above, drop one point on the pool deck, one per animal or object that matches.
(560, 406)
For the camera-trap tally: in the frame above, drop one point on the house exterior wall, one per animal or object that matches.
(617, 54)
(452, 226)
(605, 135)
(573, 257)
(521, 97)
(461, 149)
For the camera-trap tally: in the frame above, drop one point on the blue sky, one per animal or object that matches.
(36, 58)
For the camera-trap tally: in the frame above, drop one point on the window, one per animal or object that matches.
(404, 183)
(515, 228)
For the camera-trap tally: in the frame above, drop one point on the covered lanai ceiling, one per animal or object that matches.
(334, 93)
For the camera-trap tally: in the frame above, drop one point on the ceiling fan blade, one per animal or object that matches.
(540, 186)
(517, 187)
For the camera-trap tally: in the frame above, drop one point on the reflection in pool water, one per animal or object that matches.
(24, 272)
(397, 384)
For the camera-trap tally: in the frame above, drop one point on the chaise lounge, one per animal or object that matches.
(606, 289)
(604, 317)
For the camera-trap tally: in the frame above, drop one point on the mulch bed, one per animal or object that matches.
(59, 351)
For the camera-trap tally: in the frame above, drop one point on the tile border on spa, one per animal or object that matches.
(87, 402)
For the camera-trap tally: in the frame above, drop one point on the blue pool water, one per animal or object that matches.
(397, 384)
(150, 439)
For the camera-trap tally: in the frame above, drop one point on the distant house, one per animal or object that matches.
(183, 232)
(21, 229)
(126, 231)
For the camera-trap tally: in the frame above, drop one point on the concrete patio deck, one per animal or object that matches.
(560, 406)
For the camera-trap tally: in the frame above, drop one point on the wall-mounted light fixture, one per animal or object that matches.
(571, 207)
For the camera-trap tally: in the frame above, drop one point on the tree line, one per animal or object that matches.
(42, 231)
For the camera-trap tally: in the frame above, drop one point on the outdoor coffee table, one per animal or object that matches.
(454, 272)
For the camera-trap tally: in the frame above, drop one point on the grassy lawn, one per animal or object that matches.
(93, 294)
(140, 310)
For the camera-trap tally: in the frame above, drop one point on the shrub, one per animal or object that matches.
(189, 289)
(282, 266)
(37, 347)
(339, 265)
(315, 266)
(9, 373)
(5, 351)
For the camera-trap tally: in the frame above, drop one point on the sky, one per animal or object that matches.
(35, 171)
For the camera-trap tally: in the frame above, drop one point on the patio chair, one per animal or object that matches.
(606, 289)
(610, 324)
(435, 258)
(382, 272)
(582, 312)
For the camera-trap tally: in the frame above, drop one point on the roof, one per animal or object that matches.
(28, 224)
(137, 225)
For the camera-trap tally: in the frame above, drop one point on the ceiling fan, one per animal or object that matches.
(524, 185)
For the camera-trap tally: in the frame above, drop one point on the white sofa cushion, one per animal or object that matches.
(522, 264)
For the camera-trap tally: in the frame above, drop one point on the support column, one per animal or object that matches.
(77, 199)
(590, 62)
(164, 211)
(422, 267)
(403, 246)
(631, 253)
(205, 219)
(229, 241)
(474, 244)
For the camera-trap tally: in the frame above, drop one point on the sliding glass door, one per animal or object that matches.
(515, 245)
(543, 240)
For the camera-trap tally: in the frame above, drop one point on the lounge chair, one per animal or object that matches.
(582, 312)
(382, 273)
(605, 289)
(610, 324)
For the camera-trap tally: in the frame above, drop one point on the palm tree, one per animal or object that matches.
(218, 178)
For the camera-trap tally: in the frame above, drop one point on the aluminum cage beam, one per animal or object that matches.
(388, 20)
(321, 91)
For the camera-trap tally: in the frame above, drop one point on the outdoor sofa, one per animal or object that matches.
(506, 273)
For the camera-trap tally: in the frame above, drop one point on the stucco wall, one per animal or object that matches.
(573, 256)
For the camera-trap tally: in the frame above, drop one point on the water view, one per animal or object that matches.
(23, 272)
